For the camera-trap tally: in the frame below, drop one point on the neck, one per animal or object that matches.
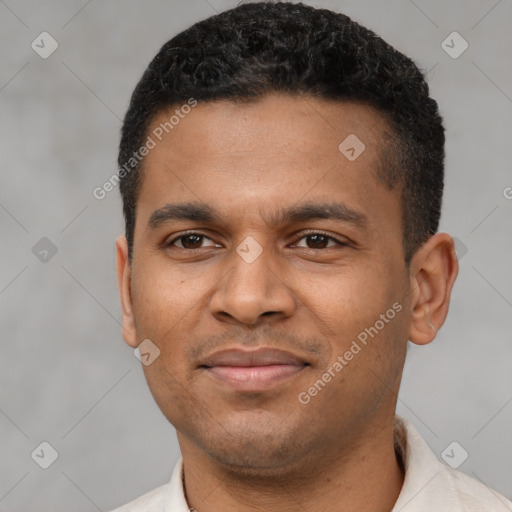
(362, 474)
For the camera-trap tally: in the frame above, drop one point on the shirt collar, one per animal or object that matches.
(428, 484)
(424, 475)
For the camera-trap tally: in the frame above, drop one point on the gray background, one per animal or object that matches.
(66, 376)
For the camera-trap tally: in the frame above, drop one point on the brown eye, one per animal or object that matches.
(191, 241)
(319, 241)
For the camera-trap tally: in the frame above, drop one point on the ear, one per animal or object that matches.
(124, 283)
(433, 271)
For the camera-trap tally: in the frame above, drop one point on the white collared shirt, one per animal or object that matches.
(429, 485)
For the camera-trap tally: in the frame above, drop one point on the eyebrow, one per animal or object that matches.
(200, 212)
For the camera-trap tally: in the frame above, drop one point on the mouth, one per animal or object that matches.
(255, 370)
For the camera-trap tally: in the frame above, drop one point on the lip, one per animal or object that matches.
(253, 370)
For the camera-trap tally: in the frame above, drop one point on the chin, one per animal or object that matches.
(253, 463)
(251, 452)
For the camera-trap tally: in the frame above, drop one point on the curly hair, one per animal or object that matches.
(259, 48)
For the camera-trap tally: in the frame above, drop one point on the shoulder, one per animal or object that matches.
(152, 501)
(431, 485)
(474, 495)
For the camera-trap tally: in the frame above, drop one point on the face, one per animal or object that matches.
(254, 231)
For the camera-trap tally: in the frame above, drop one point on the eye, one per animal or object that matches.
(194, 241)
(319, 240)
(190, 241)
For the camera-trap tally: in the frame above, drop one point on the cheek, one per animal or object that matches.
(172, 392)
(164, 297)
(363, 305)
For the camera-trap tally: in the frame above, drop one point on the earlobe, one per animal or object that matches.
(124, 284)
(434, 269)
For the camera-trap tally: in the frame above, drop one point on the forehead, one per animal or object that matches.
(273, 122)
(266, 154)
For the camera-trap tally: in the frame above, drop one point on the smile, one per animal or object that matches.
(254, 378)
(254, 370)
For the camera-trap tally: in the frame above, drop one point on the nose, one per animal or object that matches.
(252, 291)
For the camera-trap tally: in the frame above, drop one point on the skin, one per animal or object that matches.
(311, 296)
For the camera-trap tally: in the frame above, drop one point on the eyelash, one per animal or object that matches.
(304, 235)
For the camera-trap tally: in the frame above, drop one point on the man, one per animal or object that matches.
(282, 172)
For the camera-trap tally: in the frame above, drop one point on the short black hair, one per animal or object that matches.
(255, 49)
